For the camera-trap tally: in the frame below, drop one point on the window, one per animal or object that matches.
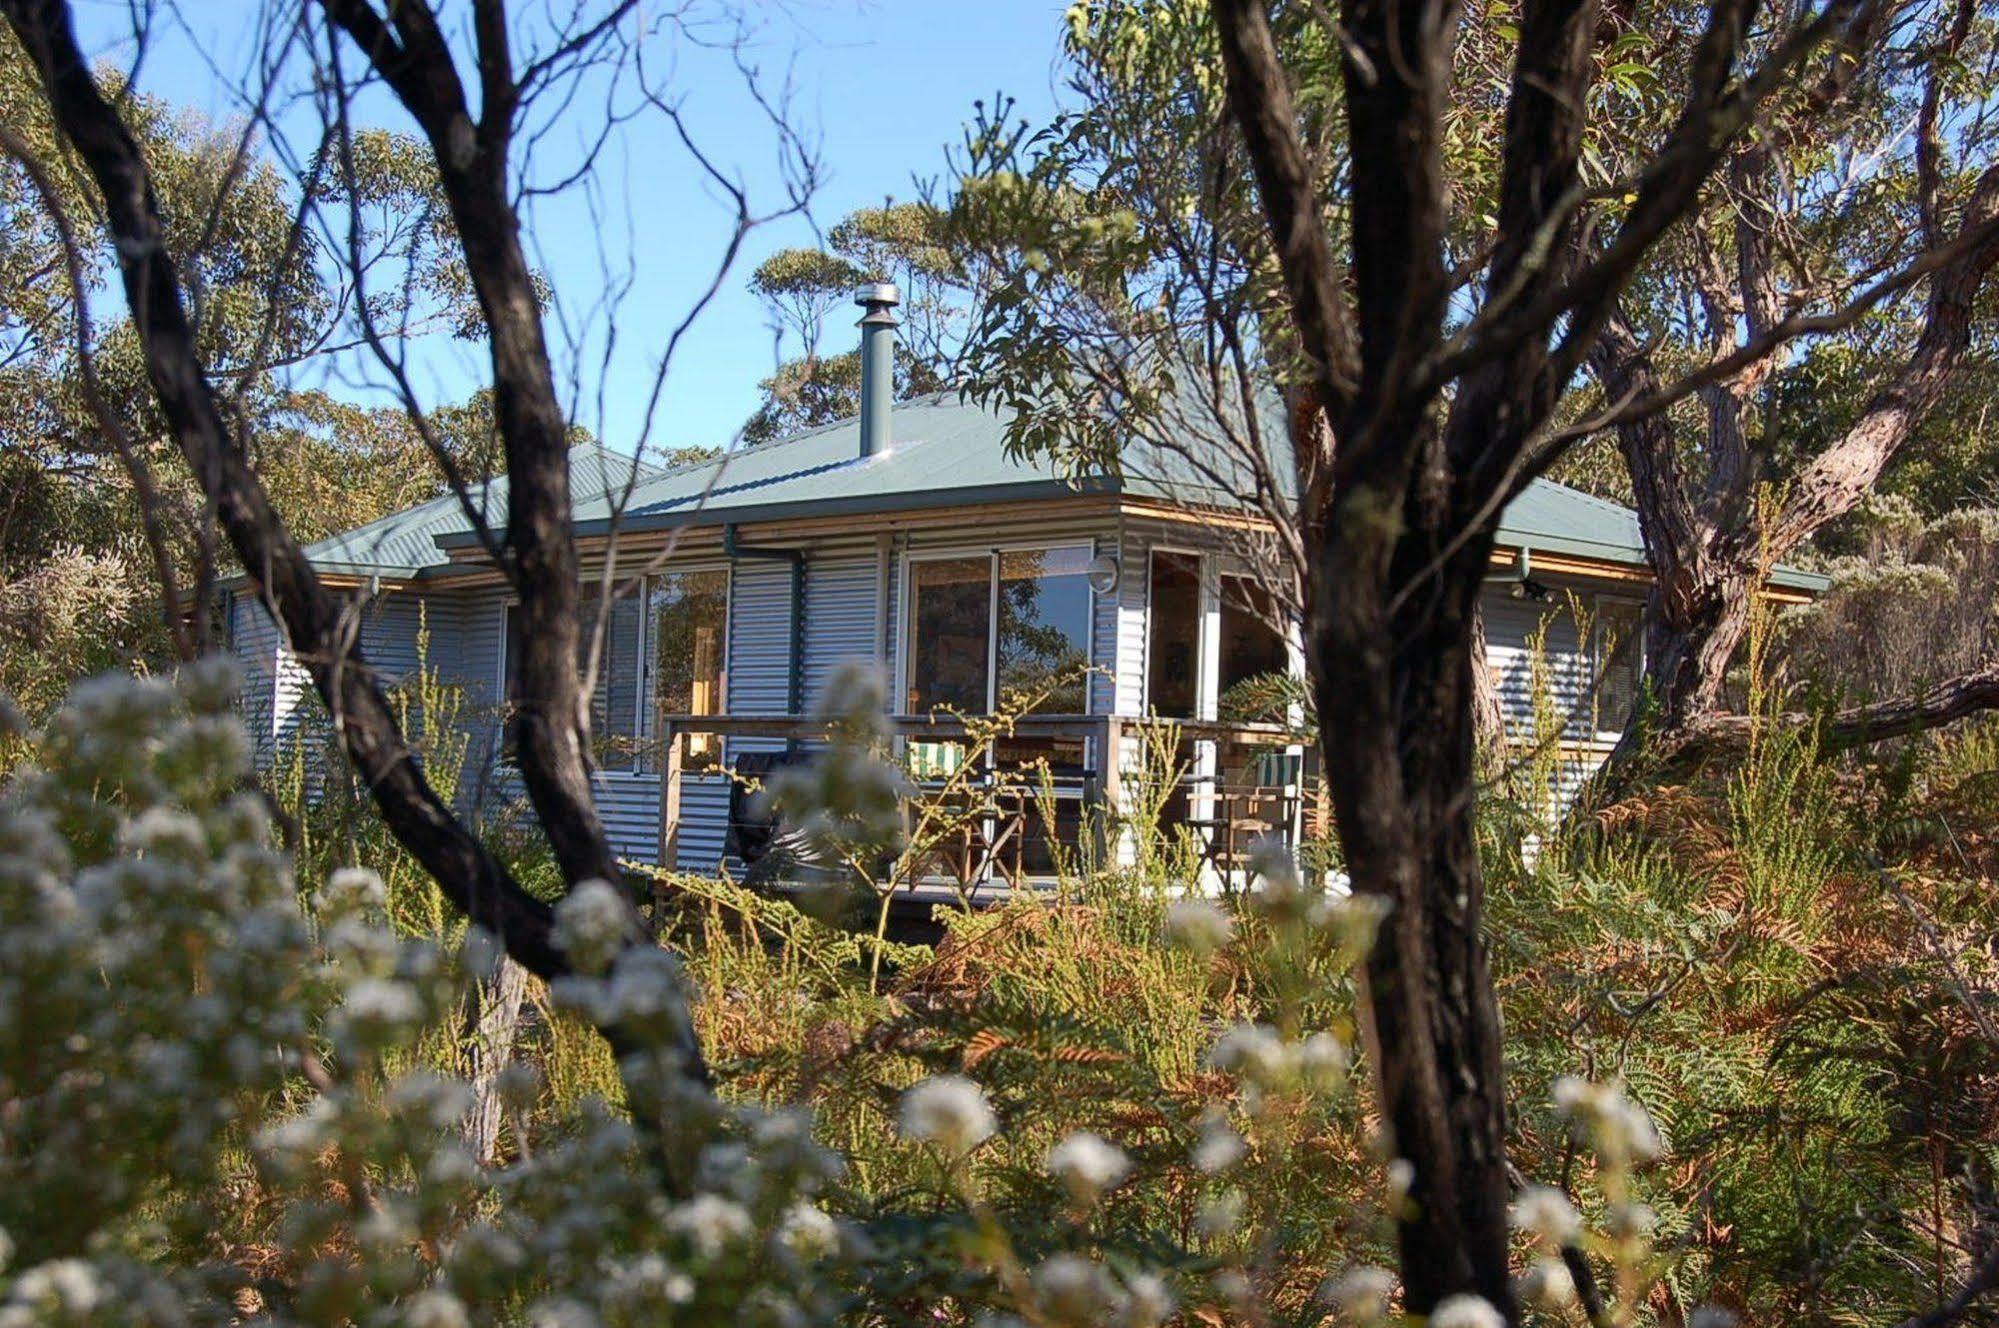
(1620, 659)
(1252, 645)
(690, 633)
(1173, 647)
(683, 624)
(950, 621)
(1044, 629)
(999, 629)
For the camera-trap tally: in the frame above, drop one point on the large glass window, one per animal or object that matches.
(1173, 647)
(690, 633)
(971, 652)
(950, 616)
(1044, 629)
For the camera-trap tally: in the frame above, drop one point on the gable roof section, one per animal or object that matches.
(945, 453)
(406, 543)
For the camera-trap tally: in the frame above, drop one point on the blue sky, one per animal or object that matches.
(883, 85)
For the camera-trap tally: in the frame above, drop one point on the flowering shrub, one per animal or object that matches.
(181, 1039)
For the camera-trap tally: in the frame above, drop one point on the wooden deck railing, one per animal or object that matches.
(1101, 775)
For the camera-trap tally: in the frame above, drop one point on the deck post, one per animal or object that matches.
(1109, 788)
(673, 744)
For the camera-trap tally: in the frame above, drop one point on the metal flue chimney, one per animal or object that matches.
(878, 326)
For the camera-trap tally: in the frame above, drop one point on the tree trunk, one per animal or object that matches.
(1488, 711)
(1695, 622)
(495, 1024)
(1397, 689)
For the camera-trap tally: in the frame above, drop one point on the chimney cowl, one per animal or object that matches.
(878, 296)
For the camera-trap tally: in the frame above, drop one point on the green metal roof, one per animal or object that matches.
(945, 453)
(406, 543)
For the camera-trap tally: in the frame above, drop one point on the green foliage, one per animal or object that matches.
(802, 288)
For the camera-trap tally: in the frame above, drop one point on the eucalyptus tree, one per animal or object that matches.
(801, 289)
(1855, 225)
(1418, 221)
(482, 99)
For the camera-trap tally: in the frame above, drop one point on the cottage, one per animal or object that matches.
(908, 538)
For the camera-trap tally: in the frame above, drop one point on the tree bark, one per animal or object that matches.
(552, 720)
(1397, 691)
(1947, 702)
(495, 1024)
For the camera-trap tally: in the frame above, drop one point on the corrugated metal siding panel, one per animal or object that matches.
(704, 822)
(1511, 629)
(474, 667)
(390, 626)
(759, 637)
(629, 805)
(840, 596)
(1128, 664)
(254, 641)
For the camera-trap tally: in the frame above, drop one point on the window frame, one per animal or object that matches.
(1603, 605)
(646, 712)
(991, 551)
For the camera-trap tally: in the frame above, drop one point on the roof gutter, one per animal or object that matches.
(795, 665)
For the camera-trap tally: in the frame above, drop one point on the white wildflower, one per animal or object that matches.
(1547, 1212)
(1547, 1285)
(809, 1232)
(210, 684)
(1401, 1179)
(1198, 926)
(1322, 1064)
(1282, 893)
(1619, 1127)
(592, 923)
(68, 1287)
(1148, 1301)
(378, 1011)
(352, 892)
(1361, 1295)
(1465, 1312)
(167, 832)
(710, 1223)
(950, 1111)
(561, 1313)
(1254, 1051)
(641, 1285)
(1219, 1147)
(1234, 1289)
(1087, 1165)
(1220, 1214)
(1632, 1220)
(436, 1309)
(1072, 1289)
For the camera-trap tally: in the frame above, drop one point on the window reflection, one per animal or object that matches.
(1044, 630)
(690, 615)
(1173, 677)
(950, 618)
(1252, 645)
